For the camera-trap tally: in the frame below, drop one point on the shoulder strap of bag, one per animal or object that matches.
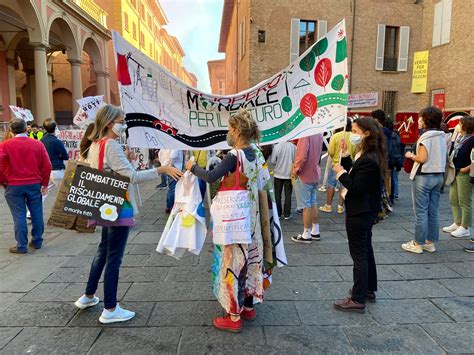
(237, 169)
(102, 145)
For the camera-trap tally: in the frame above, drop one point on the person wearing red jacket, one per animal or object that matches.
(24, 172)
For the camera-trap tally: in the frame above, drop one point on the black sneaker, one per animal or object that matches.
(299, 239)
(315, 236)
(469, 249)
(299, 211)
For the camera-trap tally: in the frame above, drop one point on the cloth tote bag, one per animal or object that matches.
(125, 217)
(230, 210)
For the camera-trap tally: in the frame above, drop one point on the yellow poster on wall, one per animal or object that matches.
(420, 72)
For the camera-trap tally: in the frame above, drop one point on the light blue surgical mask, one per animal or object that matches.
(355, 139)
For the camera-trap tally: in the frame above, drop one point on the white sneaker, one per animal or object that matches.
(340, 209)
(461, 232)
(451, 228)
(413, 247)
(118, 315)
(429, 247)
(85, 302)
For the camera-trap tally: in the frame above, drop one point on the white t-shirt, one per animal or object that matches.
(283, 157)
(170, 157)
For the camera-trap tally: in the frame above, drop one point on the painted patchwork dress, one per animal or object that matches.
(239, 270)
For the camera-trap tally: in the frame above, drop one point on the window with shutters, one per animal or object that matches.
(442, 23)
(127, 28)
(389, 103)
(390, 55)
(134, 25)
(307, 35)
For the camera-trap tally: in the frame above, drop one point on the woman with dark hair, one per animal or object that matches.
(460, 194)
(363, 180)
(429, 163)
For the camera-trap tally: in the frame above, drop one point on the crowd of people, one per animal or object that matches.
(363, 162)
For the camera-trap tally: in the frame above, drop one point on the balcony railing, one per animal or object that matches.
(94, 10)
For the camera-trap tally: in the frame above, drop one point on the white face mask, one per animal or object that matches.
(119, 129)
(458, 128)
(355, 139)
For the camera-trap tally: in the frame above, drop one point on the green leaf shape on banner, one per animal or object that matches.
(286, 104)
(320, 47)
(308, 62)
(341, 50)
(338, 82)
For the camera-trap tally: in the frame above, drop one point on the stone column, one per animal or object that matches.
(30, 78)
(42, 92)
(50, 87)
(76, 83)
(101, 82)
(11, 81)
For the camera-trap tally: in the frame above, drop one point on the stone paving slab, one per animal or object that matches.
(407, 311)
(393, 339)
(415, 289)
(37, 314)
(52, 340)
(138, 341)
(7, 334)
(455, 338)
(306, 340)
(461, 309)
(323, 313)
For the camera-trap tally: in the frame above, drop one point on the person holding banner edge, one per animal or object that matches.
(237, 281)
(109, 125)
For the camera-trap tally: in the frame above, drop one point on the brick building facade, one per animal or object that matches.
(259, 38)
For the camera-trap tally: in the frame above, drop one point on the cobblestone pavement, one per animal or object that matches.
(425, 302)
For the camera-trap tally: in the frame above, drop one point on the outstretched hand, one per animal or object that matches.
(190, 164)
(173, 172)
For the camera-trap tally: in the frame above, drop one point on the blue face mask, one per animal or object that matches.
(355, 139)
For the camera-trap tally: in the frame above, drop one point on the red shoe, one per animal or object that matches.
(226, 323)
(249, 315)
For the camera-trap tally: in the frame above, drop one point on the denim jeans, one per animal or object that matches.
(202, 188)
(426, 192)
(109, 255)
(18, 198)
(394, 192)
(170, 196)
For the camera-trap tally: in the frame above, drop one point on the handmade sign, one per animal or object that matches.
(308, 97)
(95, 194)
(71, 139)
(363, 100)
(22, 113)
(420, 72)
(88, 107)
(63, 220)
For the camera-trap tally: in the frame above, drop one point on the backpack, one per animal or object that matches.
(395, 157)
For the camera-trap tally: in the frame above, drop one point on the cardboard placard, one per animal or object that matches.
(265, 225)
(60, 219)
(95, 194)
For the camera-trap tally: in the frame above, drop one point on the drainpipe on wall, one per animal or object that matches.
(237, 51)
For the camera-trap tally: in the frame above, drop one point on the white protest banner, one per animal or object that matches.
(370, 99)
(22, 113)
(308, 97)
(88, 107)
(71, 139)
(141, 158)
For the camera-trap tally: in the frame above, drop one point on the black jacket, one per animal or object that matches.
(363, 184)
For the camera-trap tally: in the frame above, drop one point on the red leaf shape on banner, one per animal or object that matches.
(323, 72)
(309, 105)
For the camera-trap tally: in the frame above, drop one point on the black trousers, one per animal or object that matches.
(279, 185)
(359, 233)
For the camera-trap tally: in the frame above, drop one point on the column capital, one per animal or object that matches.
(39, 46)
(75, 61)
(102, 73)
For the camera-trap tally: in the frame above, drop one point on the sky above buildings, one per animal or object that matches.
(196, 24)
